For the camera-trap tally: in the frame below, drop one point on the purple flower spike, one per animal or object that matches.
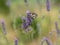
(56, 25)
(23, 22)
(47, 41)
(23, 19)
(28, 19)
(3, 27)
(57, 29)
(47, 5)
(15, 41)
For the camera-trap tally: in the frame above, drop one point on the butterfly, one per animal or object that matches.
(33, 15)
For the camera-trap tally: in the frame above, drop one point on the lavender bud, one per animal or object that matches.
(3, 27)
(56, 25)
(47, 5)
(28, 19)
(23, 23)
(23, 19)
(57, 29)
(47, 41)
(15, 41)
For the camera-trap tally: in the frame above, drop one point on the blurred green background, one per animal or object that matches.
(18, 8)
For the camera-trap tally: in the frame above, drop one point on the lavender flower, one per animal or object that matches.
(47, 41)
(24, 23)
(28, 19)
(15, 41)
(3, 27)
(57, 29)
(56, 25)
(47, 5)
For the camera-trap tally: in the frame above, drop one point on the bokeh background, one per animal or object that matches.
(46, 19)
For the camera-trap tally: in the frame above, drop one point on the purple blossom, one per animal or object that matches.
(15, 41)
(57, 29)
(3, 26)
(47, 5)
(28, 19)
(24, 23)
(56, 25)
(47, 41)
